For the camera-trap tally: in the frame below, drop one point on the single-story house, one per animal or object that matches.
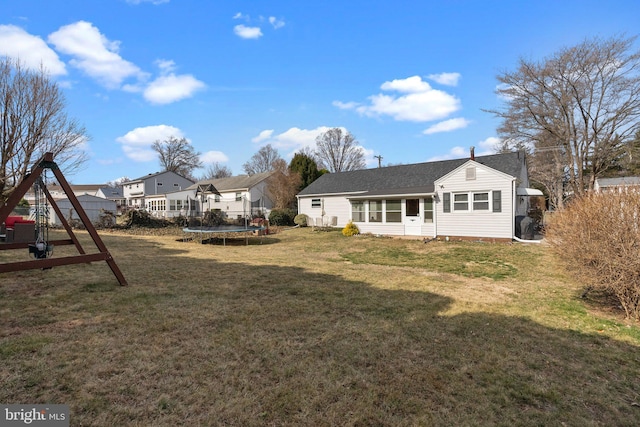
(473, 198)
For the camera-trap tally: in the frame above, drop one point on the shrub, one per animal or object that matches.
(281, 217)
(597, 238)
(350, 229)
(301, 220)
(213, 218)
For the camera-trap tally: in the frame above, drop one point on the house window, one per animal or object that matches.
(176, 185)
(428, 209)
(357, 211)
(316, 203)
(394, 211)
(480, 201)
(216, 198)
(497, 201)
(238, 197)
(461, 202)
(446, 202)
(172, 205)
(477, 202)
(375, 210)
(159, 184)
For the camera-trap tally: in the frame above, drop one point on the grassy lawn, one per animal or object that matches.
(313, 328)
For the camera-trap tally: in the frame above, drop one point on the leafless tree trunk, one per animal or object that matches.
(584, 101)
(338, 151)
(217, 170)
(33, 122)
(265, 160)
(177, 155)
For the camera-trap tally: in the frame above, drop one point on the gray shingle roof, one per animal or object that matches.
(240, 182)
(406, 178)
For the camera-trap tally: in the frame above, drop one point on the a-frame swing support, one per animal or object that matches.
(103, 255)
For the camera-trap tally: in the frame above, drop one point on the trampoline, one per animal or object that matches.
(222, 231)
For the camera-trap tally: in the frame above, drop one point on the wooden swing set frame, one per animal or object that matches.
(46, 162)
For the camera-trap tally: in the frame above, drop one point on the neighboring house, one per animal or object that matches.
(170, 205)
(136, 191)
(58, 193)
(241, 196)
(113, 193)
(479, 198)
(92, 205)
(608, 184)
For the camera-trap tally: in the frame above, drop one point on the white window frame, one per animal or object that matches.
(472, 203)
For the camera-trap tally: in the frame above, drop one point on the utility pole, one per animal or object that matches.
(379, 157)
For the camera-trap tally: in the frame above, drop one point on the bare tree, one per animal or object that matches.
(32, 122)
(177, 155)
(582, 104)
(338, 151)
(216, 170)
(283, 185)
(262, 161)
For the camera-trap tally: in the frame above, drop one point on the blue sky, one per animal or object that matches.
(409, 79)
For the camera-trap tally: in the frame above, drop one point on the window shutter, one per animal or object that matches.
(497, 201)
(446, 202)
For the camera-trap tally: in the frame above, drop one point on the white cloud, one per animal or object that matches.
(418, 102)
(447, 79)
(488, 146)
(483, 148)
(136, 144)
(447, 126)
(345, 105)
(292, 140)
(276, 23)
(94, 54)
(30, 50)
(171, 88)
(262, 136)
(412, 84)
(245, 32)
(211, 157)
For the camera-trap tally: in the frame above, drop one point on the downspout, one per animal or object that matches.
(436, 203)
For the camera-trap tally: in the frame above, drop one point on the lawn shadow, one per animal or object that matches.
(255, 345)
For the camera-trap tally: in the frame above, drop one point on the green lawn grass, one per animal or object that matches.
(314, 328)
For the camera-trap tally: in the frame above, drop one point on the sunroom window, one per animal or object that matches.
(394, 211)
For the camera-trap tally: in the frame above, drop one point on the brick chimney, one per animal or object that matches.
(472, 150)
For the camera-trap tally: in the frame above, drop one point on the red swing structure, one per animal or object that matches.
(40, 248)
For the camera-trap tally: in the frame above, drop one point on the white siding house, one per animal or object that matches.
(476, 201)
(242, 196)
(474, 198)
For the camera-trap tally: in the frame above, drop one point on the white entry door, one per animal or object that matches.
(412, 221)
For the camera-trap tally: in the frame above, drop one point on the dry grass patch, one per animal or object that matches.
(315, 329)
